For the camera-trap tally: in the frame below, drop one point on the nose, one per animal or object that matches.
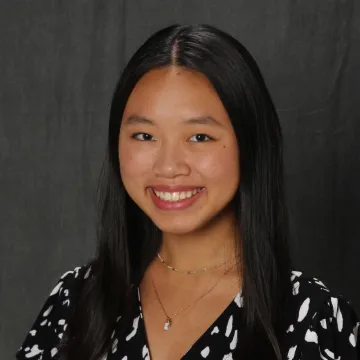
(170, 162)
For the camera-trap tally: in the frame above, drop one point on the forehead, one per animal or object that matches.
(174, 91)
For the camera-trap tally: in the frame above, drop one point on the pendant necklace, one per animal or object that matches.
(169, 318)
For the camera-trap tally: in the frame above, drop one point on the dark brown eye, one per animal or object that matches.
(201, 138)
(142, 136)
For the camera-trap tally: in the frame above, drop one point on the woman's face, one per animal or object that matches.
(178, 152)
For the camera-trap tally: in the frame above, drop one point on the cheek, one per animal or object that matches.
(133, 163)
(221, 166)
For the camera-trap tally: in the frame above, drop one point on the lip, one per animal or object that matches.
(176, 205)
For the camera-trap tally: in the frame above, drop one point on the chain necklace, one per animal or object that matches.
(169, 318)
(194, 271)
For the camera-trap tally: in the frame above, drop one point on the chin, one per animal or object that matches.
(178, 227)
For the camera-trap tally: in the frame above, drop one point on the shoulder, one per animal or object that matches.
(307, 292)
(51, 323)
(70, 283)
(320, 321)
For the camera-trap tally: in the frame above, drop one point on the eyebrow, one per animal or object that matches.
(200, 120)
(135, 119)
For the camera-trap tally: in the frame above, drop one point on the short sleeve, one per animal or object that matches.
(42, 341)
(333, 332)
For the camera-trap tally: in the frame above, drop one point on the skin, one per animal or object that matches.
(168, 152)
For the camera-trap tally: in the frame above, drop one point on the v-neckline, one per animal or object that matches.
(237, 301)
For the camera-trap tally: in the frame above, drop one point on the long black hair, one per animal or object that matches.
(128, 240)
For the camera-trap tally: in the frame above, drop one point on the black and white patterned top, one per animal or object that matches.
(322, 326)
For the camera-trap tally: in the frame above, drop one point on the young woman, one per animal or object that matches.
(192, 259)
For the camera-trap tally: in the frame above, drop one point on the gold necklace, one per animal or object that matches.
(194, 271)
(169, 318)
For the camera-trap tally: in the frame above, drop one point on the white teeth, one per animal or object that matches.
(176, 196)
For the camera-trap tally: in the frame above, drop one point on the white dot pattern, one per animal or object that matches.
(321, 325)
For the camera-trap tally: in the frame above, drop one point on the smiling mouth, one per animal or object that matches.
(176, 196)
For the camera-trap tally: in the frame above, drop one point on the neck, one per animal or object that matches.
(206, 247)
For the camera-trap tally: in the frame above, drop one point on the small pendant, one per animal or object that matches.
(167, 324)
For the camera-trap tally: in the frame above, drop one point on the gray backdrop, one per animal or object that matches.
(59, 64)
